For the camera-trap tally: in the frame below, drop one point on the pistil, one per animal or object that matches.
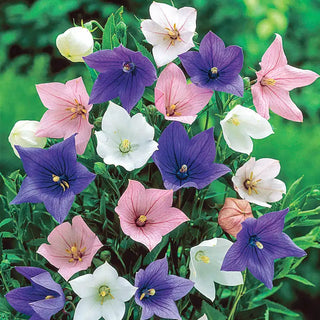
(213, 73)
(268, 82)
(200, 256)
(77, 110)
(171, 111)
(251, 184)
(182, 172)
(141, 221)
(147, 293)
(76, 254)
(63, 183)
(174, 34)
(105, 294)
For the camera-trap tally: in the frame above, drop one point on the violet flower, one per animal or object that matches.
(185, 162)
(258, 244)
(54, 177)
(215, 67)
(42, 299)
(123, 73)
(157, 290)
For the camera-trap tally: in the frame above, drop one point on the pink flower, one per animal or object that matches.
(176, 99)
(232, 214)
(71, 247)
(68, 112)
(147, 214)
(274, 81)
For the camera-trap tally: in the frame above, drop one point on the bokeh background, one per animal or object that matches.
(28, 56)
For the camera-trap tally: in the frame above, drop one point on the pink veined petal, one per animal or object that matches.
(160, 100)
(279, 102)
(80, 92)
(183, 119)
(187, 19)
(266, 168)
(274, 57)
(154, 33)
(158, 201)
(260, 100)
(83, 136)
(288, 77)
(163, 14)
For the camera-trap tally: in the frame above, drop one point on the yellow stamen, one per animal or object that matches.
(235, 121)
(174, 34)
(142, 218)
(125, 146)
(150, 292)
(105, 293)
(268, 82)
(214, 70)
(49, 297)
(259, 245)
(205, 259)
(183, 168)
(78, 110)
(55, 178)
(201, 257)
(76, 254)
(251, 185)
(171, 111)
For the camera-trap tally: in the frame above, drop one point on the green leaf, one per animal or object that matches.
(143, 50)
(108, 32)
(266, 293)
(5, 221)
(115, 41)
(212, 313)
(149, 95)
(137, 265)
(257, 313)
(290, 194)
(278, 308)
(300, 279)
(151, 256)
(219, 102)
(6, 234)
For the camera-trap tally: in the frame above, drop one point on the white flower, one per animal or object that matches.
(125, 141)
(255, 182)
(102, 294)
(242, 123)
(170, 31)
(205, 264)
(23, 134)
(204, 317)
(75, 43)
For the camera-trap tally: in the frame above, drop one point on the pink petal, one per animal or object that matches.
(83, 136)
(260, 101)
(79, 92)
(274, 57)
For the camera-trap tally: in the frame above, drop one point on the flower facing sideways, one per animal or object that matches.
(170, 31)
(147, 214)
(185, 162)
(205, 264)
(274, 81)
(68, 112)
(123, 73)
(176, 99)
(125, 141)
(42, 299)
(215, 67)
(240, 125)
(71, 247)
(258, 244)
(103, 294)
(255, 181)
(54, 177)
(157, 291)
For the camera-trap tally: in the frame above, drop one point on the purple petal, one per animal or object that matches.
(178, 287)
(229, 84)
(29, 192)
(155, 273)
(167, 309)
(232, 62)
(29, 272)
(147, 309)
(81, 178)
(236, 258)
(48, 307)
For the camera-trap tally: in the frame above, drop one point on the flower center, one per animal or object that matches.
(254, 242)
(49, 297)
(62, 181)
(76, 254)
(78, 110)
(235, 120)
(146, 293)
(182, 173)
(268, 82)
(141, 221)
(251, 184)
(128, 66)
(105, 294)
(125, 146)
(174, 34)
(213, 73)
(200, 256)
(171, 111)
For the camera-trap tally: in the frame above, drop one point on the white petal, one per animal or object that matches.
(140, 129)
(204, 317)
(88, 309)
(140, 155)
(115, 118)
(105, 146)
(105, 274)
(153, 32)
(163, 14)
(271, 190)
(122, 289)
(113, 309)
(84, 286)
(187, 19)
(266, 168)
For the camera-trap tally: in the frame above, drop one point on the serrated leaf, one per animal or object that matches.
(115, 41)
(290, 194)
(212, 313)
(108, 32)
(300, 279)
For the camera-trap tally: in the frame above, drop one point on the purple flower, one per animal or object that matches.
(157, 290)
(123, 73)
(42, 299)
(54, 177)
(215, 67)
(258, 244)
(185, 162)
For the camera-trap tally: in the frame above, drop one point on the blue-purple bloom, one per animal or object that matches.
(42, 299)
(123, 73)
(54, 177)
(258, 244)
(157, 290)
(215, 67)
(185, 162)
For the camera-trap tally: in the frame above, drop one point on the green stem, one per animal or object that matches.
(4, 282)
(97, 24)
(207, 121)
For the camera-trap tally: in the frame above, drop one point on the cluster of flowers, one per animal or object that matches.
(54, 176)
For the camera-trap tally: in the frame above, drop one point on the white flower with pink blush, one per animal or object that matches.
(255, 182)
(170, 31)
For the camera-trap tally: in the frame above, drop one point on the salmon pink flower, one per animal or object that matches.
(176, 99)
(232, 214)
(147, 214)
(71, 247)
(274, 81)
(68, 112)
(170, 31)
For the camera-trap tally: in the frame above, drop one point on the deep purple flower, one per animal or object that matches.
(215, 67)
(42, 299)
(185, 162)
(54, 177)
(157, 290)
(123, 73)
(258, 244)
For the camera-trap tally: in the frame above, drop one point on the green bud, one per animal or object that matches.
(5, 264)
(121, 31)
(100, 168)
(105, 255)
(97, 123)
(88, 25)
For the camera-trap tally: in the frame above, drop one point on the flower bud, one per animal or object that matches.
(23, 134)
(232, 214)
(75, 43)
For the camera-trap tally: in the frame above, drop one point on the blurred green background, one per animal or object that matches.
(29, 56)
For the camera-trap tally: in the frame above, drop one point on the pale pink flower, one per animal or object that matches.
(274, 81)
(71, 247)
(176, 99)
(147, 214)
(68, 112)
(170, 31)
